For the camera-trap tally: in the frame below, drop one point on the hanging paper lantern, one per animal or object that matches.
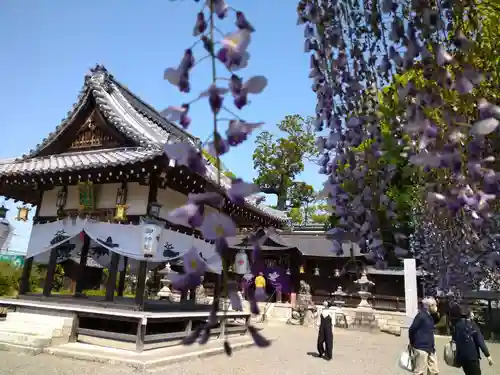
(316, 271)
(3, 212)
(120, 212)
(241, 263)
(288, 272)
(22, 213)
(150, 239)
(302, 270)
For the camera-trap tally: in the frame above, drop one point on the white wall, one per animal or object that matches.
(137, 198)
(171, 199)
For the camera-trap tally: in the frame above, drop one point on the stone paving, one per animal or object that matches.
(355, 353)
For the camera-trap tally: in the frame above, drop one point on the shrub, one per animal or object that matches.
(9, 279)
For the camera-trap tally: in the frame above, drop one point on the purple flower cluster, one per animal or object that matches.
(216, 227)
(345, 83)
(357, 48)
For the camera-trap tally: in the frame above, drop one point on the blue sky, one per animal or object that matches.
(48, 47)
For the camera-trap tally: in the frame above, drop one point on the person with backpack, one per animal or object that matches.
(469, 341)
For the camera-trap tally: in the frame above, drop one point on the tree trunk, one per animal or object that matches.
(281, 204)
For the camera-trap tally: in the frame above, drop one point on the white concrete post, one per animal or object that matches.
(411, 296)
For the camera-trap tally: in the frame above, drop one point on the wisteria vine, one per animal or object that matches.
(358, 47)
(231, 52)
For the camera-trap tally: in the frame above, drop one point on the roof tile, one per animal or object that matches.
(77, 160)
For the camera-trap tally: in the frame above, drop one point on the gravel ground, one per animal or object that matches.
(355, 353)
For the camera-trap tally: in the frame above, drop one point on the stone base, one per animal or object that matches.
(364, 304)
(31, 332)
(365, 318)
(147, 360)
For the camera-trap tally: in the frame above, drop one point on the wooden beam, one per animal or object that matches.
(51, 271)
(111, 282)
(24, 284)
(184, 295)
(123, 275)
(141, 334)
(141, 285)
(192, 294)
(83, 264)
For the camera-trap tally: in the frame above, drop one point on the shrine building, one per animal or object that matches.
(99, 174)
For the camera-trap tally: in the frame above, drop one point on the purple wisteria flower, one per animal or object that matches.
(233, 53)
(242, 22)
(215, 227)
(218, 225)
(185, 154)
(240, 190)
(180, 76)
(178, 114)
(238, 131)
(215, 97)
(219, 146)
(194, 268)
(220, 7)
(201, 24)
(189, 215)
(240, 90)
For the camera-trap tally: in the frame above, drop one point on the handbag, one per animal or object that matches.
(450, 354)
(407, 359)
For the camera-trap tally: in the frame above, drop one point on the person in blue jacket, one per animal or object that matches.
(469, 341)
(421, 336)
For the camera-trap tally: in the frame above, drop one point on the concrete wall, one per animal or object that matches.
(385, 319)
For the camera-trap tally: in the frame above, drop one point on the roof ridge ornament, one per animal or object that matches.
(98, 68)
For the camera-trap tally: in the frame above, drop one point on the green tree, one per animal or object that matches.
(296, 216)
(300, 194)
(9, 279)
(279, 161)
(320, 213)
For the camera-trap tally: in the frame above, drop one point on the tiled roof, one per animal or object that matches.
(76, 161)
(134, 118)
(122, 109)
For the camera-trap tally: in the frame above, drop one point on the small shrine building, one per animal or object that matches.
(99, 174)
(305, 254)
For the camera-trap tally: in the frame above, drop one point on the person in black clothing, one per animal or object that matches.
(325, 333)
(469, 341)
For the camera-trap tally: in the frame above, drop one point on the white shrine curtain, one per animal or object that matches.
(126, 240)
(45, 237)
(70, 249)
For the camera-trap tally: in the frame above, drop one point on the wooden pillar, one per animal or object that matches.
(82, 264)
(192, 294)
(111, 282)
(51, 270)
(141, 284)
(24, 284)
(143, 265)
(123, 274)
(184, 295)
(217, 290)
